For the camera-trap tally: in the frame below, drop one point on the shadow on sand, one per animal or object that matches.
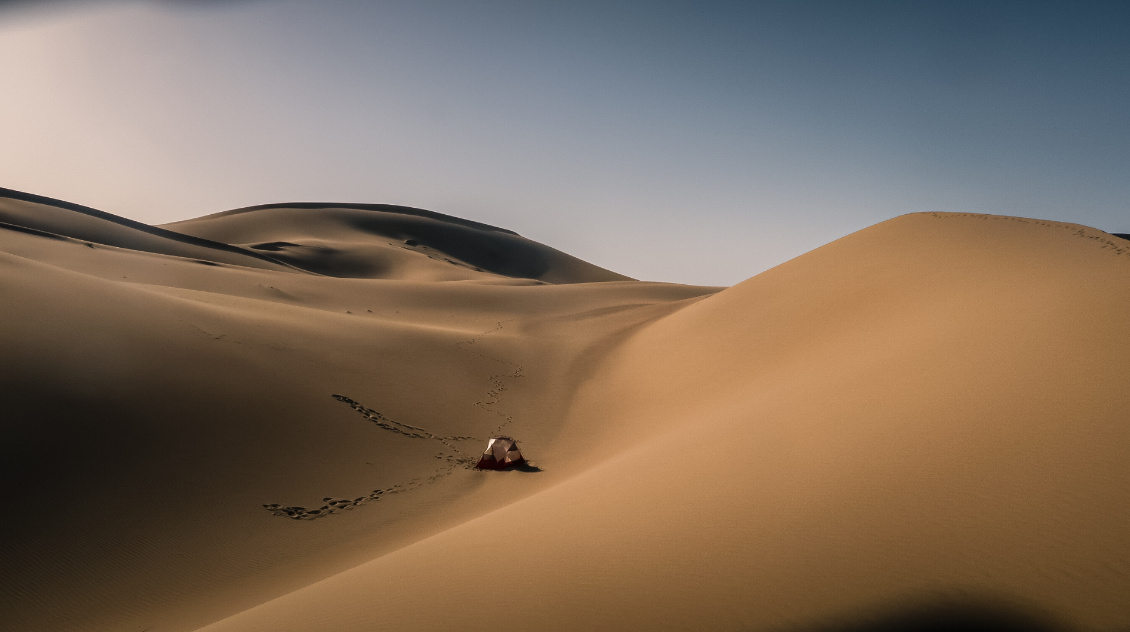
(525, 467)
(970, 616)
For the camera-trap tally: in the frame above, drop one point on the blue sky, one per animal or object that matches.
(697, 142)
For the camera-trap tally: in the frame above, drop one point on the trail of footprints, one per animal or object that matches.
(494, 394)
(412, 432)
(452, 461)
(1103, 242)
(335, 505)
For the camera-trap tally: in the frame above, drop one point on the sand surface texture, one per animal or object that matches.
(265, 419)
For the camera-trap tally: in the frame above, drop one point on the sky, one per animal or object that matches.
(693, 142)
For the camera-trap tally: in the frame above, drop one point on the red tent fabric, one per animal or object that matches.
(501, 453)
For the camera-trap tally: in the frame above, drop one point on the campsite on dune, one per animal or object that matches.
(360, 417)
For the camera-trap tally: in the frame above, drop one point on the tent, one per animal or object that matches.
(501, 453)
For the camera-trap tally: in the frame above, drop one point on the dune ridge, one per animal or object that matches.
(36, 212)
(929, 411)
(383, 241)
(382, 208)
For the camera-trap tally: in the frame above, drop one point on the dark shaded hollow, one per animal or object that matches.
(274, 246)
(964, 616)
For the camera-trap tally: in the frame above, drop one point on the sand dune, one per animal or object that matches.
(930, 409)
(385, 241)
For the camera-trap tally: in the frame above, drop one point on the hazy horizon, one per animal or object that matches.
(687, 142)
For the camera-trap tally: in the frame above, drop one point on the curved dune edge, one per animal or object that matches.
(74, 221)
(392, 242)
(932, 408)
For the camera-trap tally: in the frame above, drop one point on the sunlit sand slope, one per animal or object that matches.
(932, 408)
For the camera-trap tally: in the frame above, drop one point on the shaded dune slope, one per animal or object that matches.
(931, 409)
(376, 240)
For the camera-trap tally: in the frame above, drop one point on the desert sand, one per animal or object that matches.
(265, 419)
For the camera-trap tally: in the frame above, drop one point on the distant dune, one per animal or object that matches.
(265, 419)
(385, 241)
